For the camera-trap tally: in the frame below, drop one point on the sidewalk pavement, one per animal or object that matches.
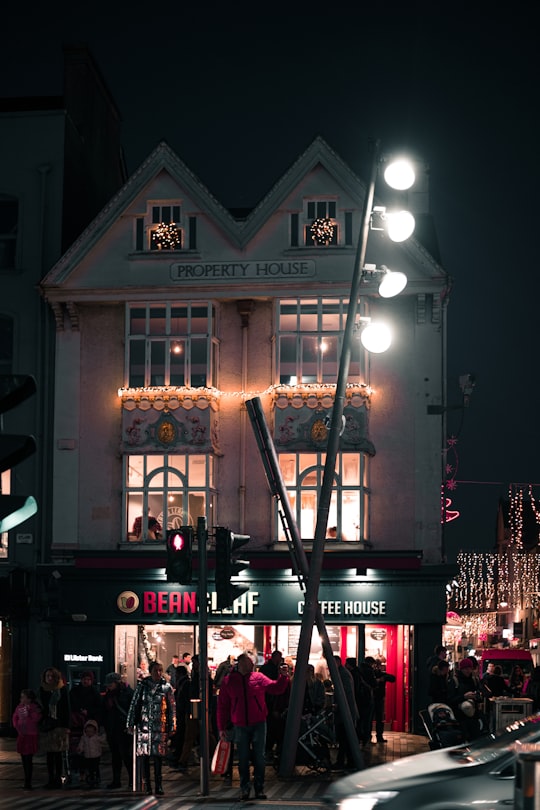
(303, 785)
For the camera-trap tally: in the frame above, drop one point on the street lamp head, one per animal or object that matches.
(393, 282)
(399, 225)
(399, 174)
(375, 337)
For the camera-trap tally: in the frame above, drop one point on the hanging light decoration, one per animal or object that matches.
(322, 231)
(166, 237)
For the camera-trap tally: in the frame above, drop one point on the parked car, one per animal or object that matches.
(479, 773)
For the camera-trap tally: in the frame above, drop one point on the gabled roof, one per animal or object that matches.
(238, 230)
(161, 159)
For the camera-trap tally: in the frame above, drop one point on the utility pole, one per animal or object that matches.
(202, 538)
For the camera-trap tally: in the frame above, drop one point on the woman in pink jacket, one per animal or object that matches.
(25, 719)
(242, 704)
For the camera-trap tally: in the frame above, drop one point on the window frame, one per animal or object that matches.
(326, 311)
(174, 468)
(154, 339)
(340, 489)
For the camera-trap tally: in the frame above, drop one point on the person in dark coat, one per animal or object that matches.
(183, 707)
(465, 700)
(344, 757)
(85, 704)
(438, 682)
(532, 689)
(367, 707)
(153, 714)
(277, 706)
(114, 711)
(379, 695)
(53, 699)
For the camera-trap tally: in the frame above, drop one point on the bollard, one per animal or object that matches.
(527, 783)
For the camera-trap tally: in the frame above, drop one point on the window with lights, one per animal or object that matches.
(309, 343)
(321, 225)
(310, 334)
(165, 228)
(348, 517)
(171, 345)
(163, 492)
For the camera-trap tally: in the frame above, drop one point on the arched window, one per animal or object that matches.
(303, 476)
(165, 492)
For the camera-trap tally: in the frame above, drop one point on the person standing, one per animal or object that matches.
(90, 747)
(152, 714)
(379, 695)
(53, 699)
(277, 706)
(438, 682)
(171, 670)
(114, 711)
(367, 707)
(25, 720)
(241, 702)
(85, 704)
(344, 756)
(439, 654)
(516, 681)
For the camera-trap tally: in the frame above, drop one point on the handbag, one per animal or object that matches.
(220, 760)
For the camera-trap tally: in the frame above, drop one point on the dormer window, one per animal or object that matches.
(164, 228)
(321, 225)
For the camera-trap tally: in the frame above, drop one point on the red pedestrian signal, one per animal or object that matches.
(180, 555)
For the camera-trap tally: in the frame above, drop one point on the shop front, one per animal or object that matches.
(132, 618)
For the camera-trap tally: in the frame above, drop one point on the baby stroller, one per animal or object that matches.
(316, 735)
(441, 726)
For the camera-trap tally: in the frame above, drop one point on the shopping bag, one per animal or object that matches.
(220, 760)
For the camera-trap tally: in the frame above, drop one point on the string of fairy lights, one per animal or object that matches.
(166, 236)
(322, 231)
(490, 582)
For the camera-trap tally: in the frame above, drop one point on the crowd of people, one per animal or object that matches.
(247, 707)
(468, 692)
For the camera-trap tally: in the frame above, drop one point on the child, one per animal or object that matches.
(25, 719)
(90, 748)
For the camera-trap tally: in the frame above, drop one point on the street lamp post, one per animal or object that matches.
(314, 576)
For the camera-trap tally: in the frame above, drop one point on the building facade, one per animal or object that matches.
(171, 312)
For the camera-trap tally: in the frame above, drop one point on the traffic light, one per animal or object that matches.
(179, 555)
(227, 566)
(14, 509)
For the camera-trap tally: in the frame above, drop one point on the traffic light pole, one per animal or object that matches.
(202, 536)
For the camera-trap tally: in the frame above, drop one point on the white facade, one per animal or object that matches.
(241, 272)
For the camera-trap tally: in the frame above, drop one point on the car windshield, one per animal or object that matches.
(487, 749)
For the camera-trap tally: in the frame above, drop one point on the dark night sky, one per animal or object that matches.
(240, 92)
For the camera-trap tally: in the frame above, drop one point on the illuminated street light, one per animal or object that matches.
(399, 174)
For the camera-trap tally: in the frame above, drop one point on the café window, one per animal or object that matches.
(310, 338)
(164, 492)
(171, 345)
(348, 519)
